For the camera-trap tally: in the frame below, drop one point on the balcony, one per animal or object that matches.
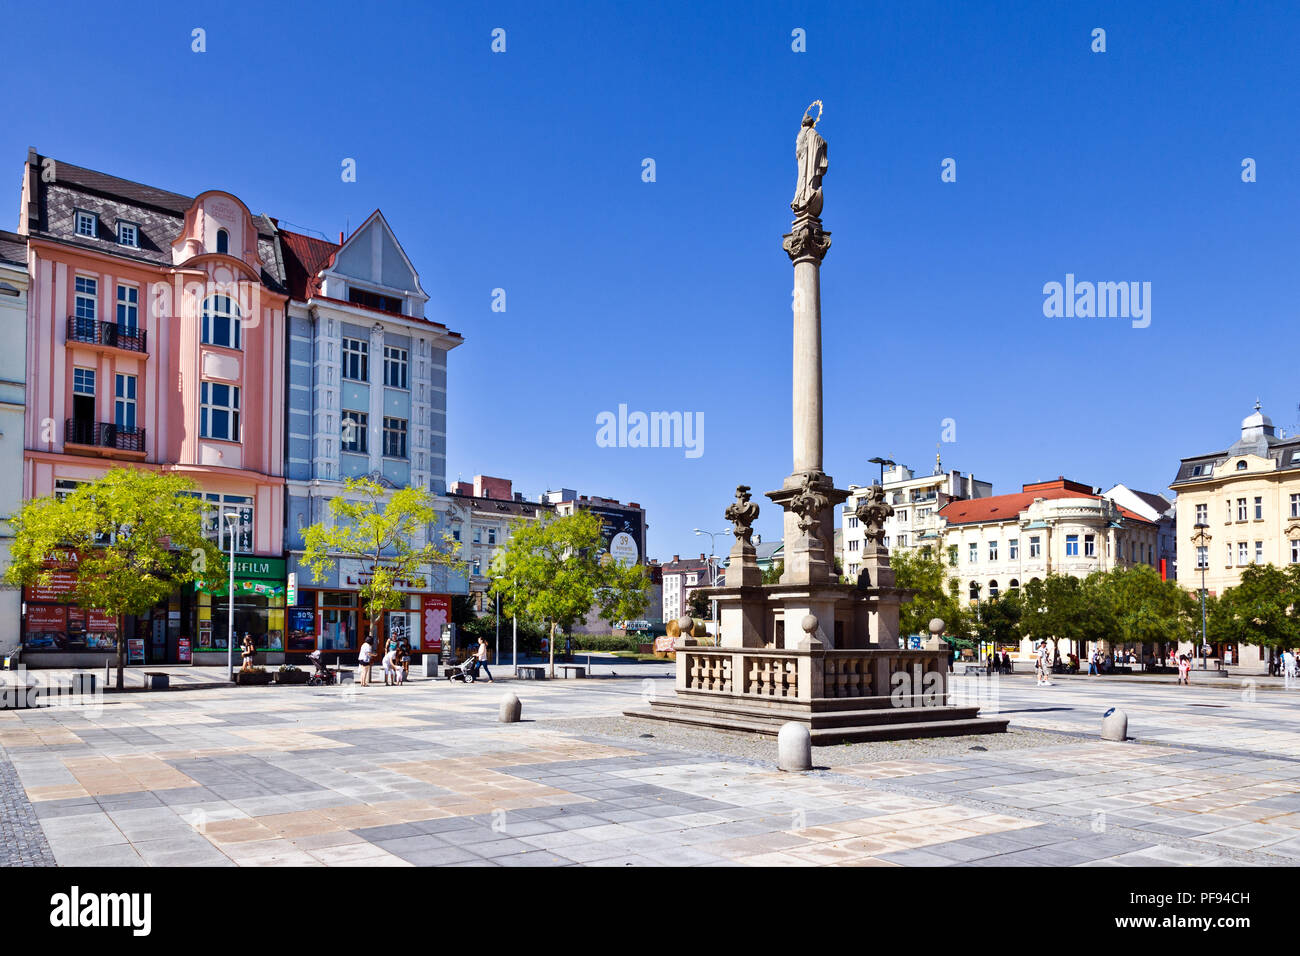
(108, 334)
(924, 496)
(103, 435)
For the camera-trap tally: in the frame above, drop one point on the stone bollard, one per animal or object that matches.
(794, 747)
(511, 708)
(1114, 725)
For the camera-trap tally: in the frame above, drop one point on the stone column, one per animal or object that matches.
(807, 378)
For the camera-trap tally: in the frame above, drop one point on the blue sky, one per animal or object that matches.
(522, 171)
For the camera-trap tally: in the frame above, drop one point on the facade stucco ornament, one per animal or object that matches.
(809, 504)
(872, 510)
(742, 513)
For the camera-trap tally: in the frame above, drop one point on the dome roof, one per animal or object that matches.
(1257, 420)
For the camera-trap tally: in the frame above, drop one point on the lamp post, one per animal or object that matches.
(713, 579)
(882, 462)
(232, 517)
(1201, 539)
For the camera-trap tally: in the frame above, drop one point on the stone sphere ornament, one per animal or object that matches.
(809, 624)
(936, 626)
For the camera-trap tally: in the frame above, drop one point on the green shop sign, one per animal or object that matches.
(253, 575)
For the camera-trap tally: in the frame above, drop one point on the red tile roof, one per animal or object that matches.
(304, 258)
(1008, 507)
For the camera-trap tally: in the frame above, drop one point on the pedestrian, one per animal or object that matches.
(1288, 669)
(1044, 664)
(390, 667)
(406, 660)
(248, 652)
(481, 658)
(1184, 670)
(1092, 663)
(365, 660)
(1006, 663)
(399, 670)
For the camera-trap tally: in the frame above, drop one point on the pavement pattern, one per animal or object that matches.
(425, 775)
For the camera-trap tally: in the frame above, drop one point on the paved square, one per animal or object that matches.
(425, 775)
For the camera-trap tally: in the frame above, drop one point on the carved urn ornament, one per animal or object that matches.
(872, 510)
(809, 504)
(742, 514)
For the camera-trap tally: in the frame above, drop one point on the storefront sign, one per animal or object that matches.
(354, 574)
(61, 583)
(47, 617)
(99, 621)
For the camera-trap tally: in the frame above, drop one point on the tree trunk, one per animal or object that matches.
(550, 647)
(121, 660)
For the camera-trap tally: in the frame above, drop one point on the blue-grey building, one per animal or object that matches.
(367, 396)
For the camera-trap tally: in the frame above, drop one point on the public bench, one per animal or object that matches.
(578, 670)
(532, 671)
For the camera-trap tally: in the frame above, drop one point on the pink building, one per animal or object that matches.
(155, 339)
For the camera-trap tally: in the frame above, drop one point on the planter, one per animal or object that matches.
(252, 678)
(291, 677)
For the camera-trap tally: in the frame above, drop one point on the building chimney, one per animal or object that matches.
(340, 237)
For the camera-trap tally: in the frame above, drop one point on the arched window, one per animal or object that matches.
(221, 322)
(223, 241)
(1014, 585)
(1241, 465)
(974, 590)
(993, 590)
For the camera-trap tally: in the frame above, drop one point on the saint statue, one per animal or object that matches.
(810, 151)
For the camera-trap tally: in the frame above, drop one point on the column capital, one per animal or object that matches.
(807, 241)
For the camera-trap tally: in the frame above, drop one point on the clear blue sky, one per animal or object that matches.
(523, 171)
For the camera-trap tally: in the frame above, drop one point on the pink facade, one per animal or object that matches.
(120, 356)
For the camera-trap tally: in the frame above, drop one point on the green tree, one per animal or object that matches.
(137, 535)
(699, 606)
(1053, 609)
(551, 571)
(924, 573)
(1143, 608)
(1262, 609)
(773, 574)
(382, 536)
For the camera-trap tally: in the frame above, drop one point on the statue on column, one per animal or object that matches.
(810, 151)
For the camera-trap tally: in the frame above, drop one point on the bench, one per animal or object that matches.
(579, 670)
(157, 680)
(977, 669)
(532, 671)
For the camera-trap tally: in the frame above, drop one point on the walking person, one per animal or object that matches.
(1288, 669)
(1184, 670)
(399, 665)
(1044, 665)
(1006, 663)
(365, 660)
(1092, 663)
(406, 660)
(247, 652)
(481, 659)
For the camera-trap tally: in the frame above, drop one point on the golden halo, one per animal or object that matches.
(820, 109)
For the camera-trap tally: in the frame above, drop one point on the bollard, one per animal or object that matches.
(1114, 725)
(794, 747)
(511, 708)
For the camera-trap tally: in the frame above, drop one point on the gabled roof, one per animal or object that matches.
(304, 258)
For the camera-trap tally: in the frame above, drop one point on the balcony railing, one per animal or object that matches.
(110, 334)
(103, 435)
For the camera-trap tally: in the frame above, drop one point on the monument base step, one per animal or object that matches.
(840, 726)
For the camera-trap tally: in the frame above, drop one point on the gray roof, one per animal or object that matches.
(63, 188)
(13, 248)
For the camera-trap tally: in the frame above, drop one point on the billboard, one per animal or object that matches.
(622, 533)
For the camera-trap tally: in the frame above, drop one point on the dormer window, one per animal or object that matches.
(373, 300)
(1241, 465)
(223, 241)
(128, 234)
(87, 224)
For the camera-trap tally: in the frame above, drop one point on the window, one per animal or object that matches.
(1295, 506)
(128, 309)
(477, 566)
(87, 224)
(1089, 545)
(223, 241)
(128, 234)
(952, 556)
(1241, 509)
(993, 590)
(83, 381)
(974, 552)
(221, 322)
(1202, 556)
(853, 519)
(1241, 465)
(478, 535)
(217, 528)
(219, 411)
(394, 437)
(373, 300)
(902, 515)
(1259, 508)
(1243, 553)
(492, 535)
(394, 367)
(923, 513)
(902, 541)
(1202, 514)
(1035, 546)
(993, 550)
(1071, 545)
(1259, 552)
(455, 531)
(1295, 550)
(356, 360)
(87, 293)
(853, 570)
(853, 544)
(1013, 549)
(355, 429)
(124, 402)
(974, 591)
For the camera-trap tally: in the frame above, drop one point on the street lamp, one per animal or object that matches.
(1201, 539)
(233, 518)
(882, 462)
(713, 577)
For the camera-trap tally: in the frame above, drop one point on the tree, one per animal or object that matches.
(924, 573)
(773, 574)
(382, 536)
(1143, 608)
(136, 535)
(1054, 608)
(551, 571)
(1263, 609)
(698, 604)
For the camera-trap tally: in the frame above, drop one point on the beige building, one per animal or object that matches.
(1249, 497)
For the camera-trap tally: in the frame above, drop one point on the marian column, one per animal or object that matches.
(808, 495)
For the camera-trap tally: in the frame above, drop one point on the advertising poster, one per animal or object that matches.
(183, 650)
(437, 613)
(61, 583)
(205, 635)
(302, 629)
(47, 617)
(135, 650)
(621, 534)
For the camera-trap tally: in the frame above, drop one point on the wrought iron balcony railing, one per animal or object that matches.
(115, 336)
(103, 435)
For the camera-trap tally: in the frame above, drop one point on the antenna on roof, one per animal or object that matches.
(1290, 429)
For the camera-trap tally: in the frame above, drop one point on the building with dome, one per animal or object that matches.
(1246, 500)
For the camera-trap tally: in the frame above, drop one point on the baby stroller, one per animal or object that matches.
(464, 672)
(323, 674)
